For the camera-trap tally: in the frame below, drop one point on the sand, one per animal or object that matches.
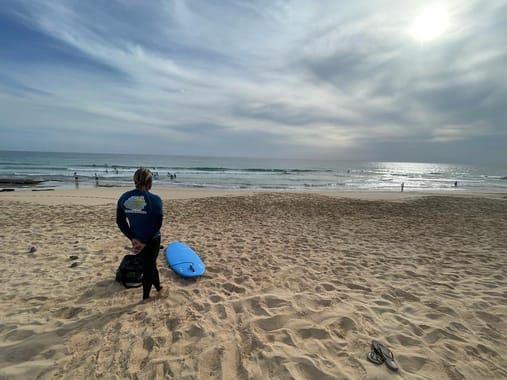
(297, 286)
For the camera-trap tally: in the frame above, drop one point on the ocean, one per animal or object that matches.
(58, 170)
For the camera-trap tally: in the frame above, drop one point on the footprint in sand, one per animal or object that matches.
(68, 312)
(256, 306)
(344, 326)
(407, 341)
(148, 343)
(238, 307)
(411, 364)
(487, 317)
(18, 334)
(273, 323)
(172, 324)
(313, 333)
(437, 334)
(232, 288)
(275, 302)
(221, 312)
(215, 298)
(196, 331)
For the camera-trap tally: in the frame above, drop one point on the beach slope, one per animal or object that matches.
(297, 286)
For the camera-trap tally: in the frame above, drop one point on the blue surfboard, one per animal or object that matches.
(183, 260)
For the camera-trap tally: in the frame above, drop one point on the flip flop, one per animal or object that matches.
(386, 354)
(375, 358)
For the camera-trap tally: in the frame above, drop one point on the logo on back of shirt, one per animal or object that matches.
(135, 205)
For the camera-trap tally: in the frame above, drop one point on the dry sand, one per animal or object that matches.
(297, 286)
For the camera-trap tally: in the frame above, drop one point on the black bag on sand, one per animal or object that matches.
(130, 272)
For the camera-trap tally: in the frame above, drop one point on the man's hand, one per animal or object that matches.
(137, 246)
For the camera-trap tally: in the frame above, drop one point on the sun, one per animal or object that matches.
(431, 23)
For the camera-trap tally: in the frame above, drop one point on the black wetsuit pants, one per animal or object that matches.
(150, 271)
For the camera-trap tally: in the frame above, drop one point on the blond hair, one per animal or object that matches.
(143, 178)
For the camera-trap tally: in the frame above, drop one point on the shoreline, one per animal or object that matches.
(109, 195)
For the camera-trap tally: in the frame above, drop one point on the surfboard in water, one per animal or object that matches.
(184, 260)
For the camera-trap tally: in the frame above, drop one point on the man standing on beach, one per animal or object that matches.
(139, 216)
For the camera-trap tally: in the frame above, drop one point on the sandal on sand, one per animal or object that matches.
(375, 358)
(385, 353)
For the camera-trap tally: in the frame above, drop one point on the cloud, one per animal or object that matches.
(253, 77)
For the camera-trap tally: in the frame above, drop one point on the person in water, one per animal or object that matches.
(139, 216)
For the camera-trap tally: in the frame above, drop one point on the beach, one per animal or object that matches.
(297, 285)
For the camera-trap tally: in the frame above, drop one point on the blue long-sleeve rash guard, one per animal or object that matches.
(143, 210)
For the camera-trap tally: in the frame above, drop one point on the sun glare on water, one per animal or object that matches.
(431, 23)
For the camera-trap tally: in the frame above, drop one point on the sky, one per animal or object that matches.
(351, 80)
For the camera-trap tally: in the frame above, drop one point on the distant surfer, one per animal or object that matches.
(139, 216)
(402, 186)
(96, 180)
(455, 183)
(76, 179)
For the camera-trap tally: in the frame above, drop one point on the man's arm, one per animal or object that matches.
(157, 217)
(121, 221)
(157, 225)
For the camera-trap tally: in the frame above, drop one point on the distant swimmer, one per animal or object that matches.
(402, 186)
(455, 183)
(96, 179)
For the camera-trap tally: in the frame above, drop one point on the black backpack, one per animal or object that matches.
(130, 272)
